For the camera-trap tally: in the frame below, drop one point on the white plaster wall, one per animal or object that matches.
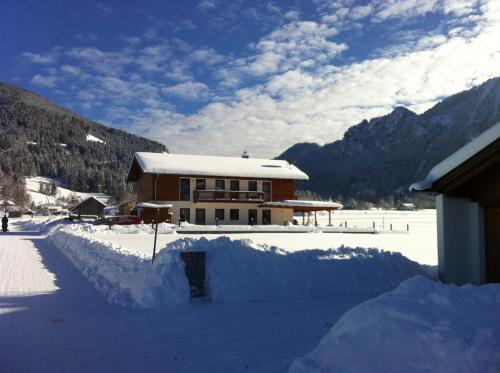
(277, 215)
(460, 225)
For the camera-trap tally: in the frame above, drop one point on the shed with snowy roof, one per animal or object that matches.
(468, 210)
(91, 206)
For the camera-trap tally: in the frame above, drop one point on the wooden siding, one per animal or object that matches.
(148, 215)
(89, 207)
(492, 243)
(145, 185)
(168, 188)
(282, 189)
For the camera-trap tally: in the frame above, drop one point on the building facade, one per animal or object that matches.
(468, 211)
(214, 190)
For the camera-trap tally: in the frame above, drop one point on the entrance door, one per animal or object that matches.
(492, 243)
(252, 216)
(200, 217)
(266, 217)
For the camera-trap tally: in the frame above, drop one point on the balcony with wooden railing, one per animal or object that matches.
(239, 196)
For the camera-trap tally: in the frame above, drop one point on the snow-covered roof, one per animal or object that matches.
(456, 159)
(154, 205)
(94, 139)
(302, 203)
(201, 165)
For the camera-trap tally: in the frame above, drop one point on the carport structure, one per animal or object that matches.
(307, 207)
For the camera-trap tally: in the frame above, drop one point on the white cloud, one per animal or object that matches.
(294, 45)
(299, 105)
(188, 90)
(44, 58)
(47, 81)
(206, 5)
(70, 69)
(361, 11)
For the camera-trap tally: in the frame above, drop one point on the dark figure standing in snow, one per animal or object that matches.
(5, 224)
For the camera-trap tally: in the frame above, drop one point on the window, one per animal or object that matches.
(185, 215)
(219, 214)
(266, 217)
(185, 189)
(252, 186)
(201, 184)
(235, 185)
(234, 214)
(252, 216)
(220, 184)
(200, 217)
(266, 188)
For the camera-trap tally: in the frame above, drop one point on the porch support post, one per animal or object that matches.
(303, 218)
(315, 219)
(329, 217)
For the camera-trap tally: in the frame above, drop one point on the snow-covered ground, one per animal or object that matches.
(422, 326)
(53, 319)
(418, 244)
(33, 190)
(86, 302)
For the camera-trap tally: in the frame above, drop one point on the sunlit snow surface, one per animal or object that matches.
(418, 244)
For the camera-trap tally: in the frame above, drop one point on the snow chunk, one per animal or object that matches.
(422, 326)
(460, 156)
(165, 163)
(95, 139)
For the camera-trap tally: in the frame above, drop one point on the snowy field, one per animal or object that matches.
(418, 244)
(33, 190)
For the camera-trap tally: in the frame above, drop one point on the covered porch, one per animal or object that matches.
(306, 208)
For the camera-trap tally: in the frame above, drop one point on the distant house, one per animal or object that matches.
(91, 206)
(125, 208)
(14, 211)
(468, 210)
(407, 207)
(210, 190)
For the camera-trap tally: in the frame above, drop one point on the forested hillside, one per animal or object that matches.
(47, 140)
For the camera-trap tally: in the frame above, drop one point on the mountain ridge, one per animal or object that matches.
(378, 158)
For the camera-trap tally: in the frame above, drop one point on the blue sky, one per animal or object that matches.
(220, 77)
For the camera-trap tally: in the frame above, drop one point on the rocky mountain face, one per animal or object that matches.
(380, 158)
(47, 140)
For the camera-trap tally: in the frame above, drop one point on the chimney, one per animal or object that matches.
(245, 154)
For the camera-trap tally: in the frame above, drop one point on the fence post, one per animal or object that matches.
(408, 227)
(345, 224)
(373, 225)
(391, 227)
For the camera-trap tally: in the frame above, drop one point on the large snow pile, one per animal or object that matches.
(243, 271)
(422, 326)
(121, 276)
(235, 270)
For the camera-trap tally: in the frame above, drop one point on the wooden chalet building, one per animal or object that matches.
(91, 206)
(468, 210)
(215, 190)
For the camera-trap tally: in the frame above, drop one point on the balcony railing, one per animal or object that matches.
(245, 196)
